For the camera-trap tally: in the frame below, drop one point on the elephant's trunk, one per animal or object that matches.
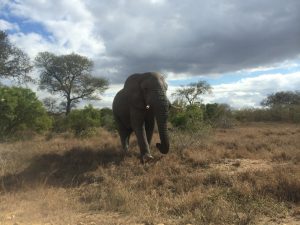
(161, 113)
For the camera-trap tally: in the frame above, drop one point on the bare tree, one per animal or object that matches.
(70, 76)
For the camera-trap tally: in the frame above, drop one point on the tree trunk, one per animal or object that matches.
(68, 106)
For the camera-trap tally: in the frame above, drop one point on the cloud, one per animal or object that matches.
(198, 37)
(177, 37)
(249, 92)
(68, 27)
(5, 25)
(33, 43)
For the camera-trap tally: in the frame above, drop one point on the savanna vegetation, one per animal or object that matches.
(62, 165)
(245, 175)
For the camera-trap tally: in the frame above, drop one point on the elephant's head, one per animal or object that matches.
(151, 95)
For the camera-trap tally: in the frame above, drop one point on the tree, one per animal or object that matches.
(283, 106)
(190, 94)
(14, 63)
(283, 98)
(51, 105)
(70, 76)
(21, 110)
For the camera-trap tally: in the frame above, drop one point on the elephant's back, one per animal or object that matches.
(133, 79)
(120, 108)
(117, 100)
(120, 103)
(138, 77)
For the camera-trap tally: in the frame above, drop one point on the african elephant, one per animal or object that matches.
(142, 100)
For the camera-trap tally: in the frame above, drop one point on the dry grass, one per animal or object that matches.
(243, 175)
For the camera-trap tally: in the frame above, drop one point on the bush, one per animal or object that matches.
(20, 111)
(179, 120)
(218, 115)
(107, 119)
(274, 114)
(295, 114)
(84, 121)
(60, 123)
(190, 118)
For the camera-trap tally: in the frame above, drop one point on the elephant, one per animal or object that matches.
(136, 107)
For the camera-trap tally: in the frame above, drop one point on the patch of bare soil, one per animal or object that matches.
(233, 166)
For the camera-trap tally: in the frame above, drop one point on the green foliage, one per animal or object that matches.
(281, 106)
(211, 111)
(189, 127)
(84, 121)
(21, 110)
(189, 118)
(107, 118)
(295, 113)
(178, 119)
(195, 116)
(60, 123)
(70, 76)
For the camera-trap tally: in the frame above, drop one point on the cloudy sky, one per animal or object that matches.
(244, 49)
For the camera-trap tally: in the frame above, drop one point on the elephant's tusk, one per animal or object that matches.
(147, 106)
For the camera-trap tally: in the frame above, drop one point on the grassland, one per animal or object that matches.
(249, 174)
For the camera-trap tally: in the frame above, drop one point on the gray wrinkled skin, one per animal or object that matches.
(136, 107)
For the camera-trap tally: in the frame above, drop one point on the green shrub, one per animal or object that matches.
(60, 123)
(295, 114)
(179, 119)
(190, 118)
(83, 121)
(20, 111)
(107, 119)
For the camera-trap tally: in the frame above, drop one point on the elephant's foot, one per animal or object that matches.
(146, 158)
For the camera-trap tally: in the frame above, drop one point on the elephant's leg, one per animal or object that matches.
(143, 144)
(138, 125)
(142, 140)
(124, 136)
(149, 127)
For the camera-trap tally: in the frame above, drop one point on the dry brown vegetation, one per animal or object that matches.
(249, 174)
